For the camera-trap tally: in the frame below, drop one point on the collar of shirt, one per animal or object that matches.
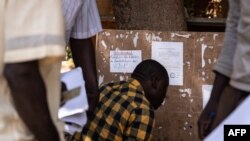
(139, 87)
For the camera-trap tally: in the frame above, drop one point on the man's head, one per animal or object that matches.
(154, 80)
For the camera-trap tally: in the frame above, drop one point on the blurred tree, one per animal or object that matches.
(164, 15)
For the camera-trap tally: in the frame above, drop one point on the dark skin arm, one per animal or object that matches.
(29, 95)
(208, 114)
(83, 53)
(230, 99)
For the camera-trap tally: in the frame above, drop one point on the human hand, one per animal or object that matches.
(231, 97)
(206, 119)
(208, 115)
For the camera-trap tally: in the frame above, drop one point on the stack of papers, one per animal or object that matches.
(73, 112)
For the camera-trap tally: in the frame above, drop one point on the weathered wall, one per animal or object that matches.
(106, 13)
(176, 119)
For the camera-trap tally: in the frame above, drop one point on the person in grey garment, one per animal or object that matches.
(232, 81)
(82, 21)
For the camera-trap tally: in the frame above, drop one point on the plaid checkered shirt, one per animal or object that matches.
(123, 113)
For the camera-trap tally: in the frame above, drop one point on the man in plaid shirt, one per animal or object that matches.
(126, 109)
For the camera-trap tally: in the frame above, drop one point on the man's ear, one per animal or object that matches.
(155, 81)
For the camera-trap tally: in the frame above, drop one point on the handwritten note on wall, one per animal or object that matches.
(170, 55)
(124, 61)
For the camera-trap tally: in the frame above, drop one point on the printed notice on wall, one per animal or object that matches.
(124, 61)
(206, 93)
(170, 55)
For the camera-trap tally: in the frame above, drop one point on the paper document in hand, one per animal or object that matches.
(69, 94)
(240, 116)
(79, 104)
(71, 129)
(77, 120)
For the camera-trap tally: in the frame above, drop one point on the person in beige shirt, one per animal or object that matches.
(31, 49)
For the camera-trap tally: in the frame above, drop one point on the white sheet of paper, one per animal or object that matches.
(124, 61)
(78, 119)
(170, 55)
(206, 93)
(79, 104)
(71, 129)
(240, 116)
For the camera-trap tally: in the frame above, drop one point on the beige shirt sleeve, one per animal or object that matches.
(34, 29)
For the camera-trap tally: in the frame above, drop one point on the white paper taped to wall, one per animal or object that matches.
(206, 93)
(124, 61)
(170, 55)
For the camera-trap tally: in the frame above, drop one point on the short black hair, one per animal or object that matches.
(148, 67)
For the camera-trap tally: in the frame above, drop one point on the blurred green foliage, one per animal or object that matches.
(68, 53)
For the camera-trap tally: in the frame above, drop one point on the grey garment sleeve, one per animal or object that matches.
(225, 61)
(82, 19)
(71, 9)
(87, 22)
(241, 64)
